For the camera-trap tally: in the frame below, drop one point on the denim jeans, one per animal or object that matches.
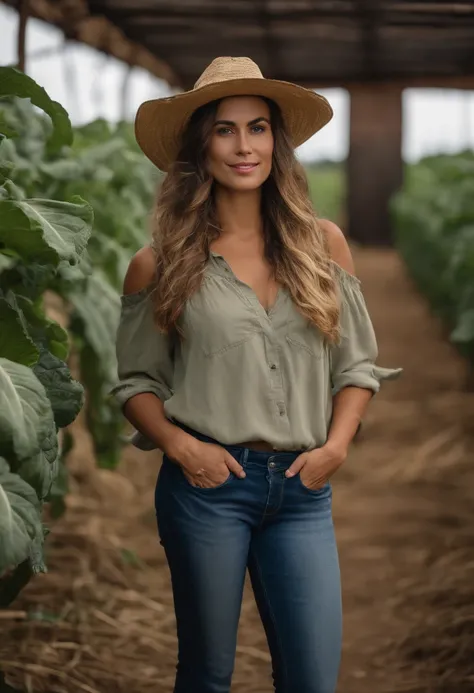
(283, 533)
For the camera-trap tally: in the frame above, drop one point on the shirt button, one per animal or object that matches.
(273, 366)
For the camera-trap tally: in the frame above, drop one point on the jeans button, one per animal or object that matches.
(271, 465)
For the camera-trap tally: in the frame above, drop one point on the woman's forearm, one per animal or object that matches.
(349, 407)
(147, 414)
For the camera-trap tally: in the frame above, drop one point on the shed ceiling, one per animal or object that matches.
(312, 42)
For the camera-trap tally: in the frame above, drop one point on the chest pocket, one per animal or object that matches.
(219, 317)
(302, 334)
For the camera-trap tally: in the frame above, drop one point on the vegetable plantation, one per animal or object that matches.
(434, 220)
(55, 185)
(74, 204)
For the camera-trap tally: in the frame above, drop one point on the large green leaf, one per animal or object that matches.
(65, 394)
(21, 531)
(42, 330)
(30, 281)
(98, 311)
(6, 262)
(15, 342)
(41, 470)
(15, 83)
(94, 325)
(60, 486)
(113, 257)
(103, 417)
(5, 128)
(10, 191)
(25, 412)
(45, 231)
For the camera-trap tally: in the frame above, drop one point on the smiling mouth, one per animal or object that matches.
(243, 168)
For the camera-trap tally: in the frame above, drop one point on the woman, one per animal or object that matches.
(246, 354)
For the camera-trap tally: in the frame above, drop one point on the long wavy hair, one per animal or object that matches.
(184, 225)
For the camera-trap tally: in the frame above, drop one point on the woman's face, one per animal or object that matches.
(241, 145)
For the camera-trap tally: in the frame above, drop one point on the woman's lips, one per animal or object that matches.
(244, 168)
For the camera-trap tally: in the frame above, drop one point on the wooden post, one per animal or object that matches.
(24, 8)
(374, 167)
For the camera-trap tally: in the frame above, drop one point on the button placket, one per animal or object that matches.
(276, 377)
(269, 322)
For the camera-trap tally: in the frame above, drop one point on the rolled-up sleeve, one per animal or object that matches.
(144, 354)
(353, 359)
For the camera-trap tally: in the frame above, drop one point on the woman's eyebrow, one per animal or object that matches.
(251, 122)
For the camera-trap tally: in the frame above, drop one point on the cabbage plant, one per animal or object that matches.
(41, 240)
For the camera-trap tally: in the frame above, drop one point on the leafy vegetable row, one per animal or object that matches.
(103, 165)
(434, 221)
(41, 241)
(47, 171)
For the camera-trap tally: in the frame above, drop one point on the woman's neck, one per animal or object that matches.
(239, 214)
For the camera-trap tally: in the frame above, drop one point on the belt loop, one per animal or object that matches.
(244, 456)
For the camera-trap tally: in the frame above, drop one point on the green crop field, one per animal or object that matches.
(327, 189)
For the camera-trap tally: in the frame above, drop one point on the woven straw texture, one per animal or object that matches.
(160, 123)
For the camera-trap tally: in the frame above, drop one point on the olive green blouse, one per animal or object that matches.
(242, 373)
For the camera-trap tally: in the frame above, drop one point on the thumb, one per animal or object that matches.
(296, 466)
(234, 466)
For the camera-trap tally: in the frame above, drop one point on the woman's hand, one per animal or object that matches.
(317, 466)
(204, 465)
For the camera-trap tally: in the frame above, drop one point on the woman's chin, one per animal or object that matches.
(244, 184)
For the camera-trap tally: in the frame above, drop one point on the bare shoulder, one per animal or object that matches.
(141, 271)
(338, 246)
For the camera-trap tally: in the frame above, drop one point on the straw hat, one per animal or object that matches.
(160, 123)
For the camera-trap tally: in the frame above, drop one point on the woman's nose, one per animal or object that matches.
(243, 145)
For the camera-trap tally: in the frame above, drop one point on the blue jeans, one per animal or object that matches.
(283, 533)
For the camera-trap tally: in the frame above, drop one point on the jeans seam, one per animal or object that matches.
(272, 618)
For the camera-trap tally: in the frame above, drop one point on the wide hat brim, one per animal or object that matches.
(159, 123)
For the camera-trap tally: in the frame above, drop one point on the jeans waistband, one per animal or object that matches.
(258, 454)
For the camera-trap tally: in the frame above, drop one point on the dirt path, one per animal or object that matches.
(102, 619)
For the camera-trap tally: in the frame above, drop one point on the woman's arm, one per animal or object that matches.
(349, 404)
(350, 401)
(145, 369)
(145, 410)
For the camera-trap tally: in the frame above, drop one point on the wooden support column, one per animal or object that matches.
(374, 167)
(24, 11)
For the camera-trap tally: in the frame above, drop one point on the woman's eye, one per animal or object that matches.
(255, 129)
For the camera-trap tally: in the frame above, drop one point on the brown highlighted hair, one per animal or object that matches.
(185, 225)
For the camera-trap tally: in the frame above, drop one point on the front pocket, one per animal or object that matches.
(219, 318)
(316, 491)
(215, 350)
(201, 489)
(302, 334)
